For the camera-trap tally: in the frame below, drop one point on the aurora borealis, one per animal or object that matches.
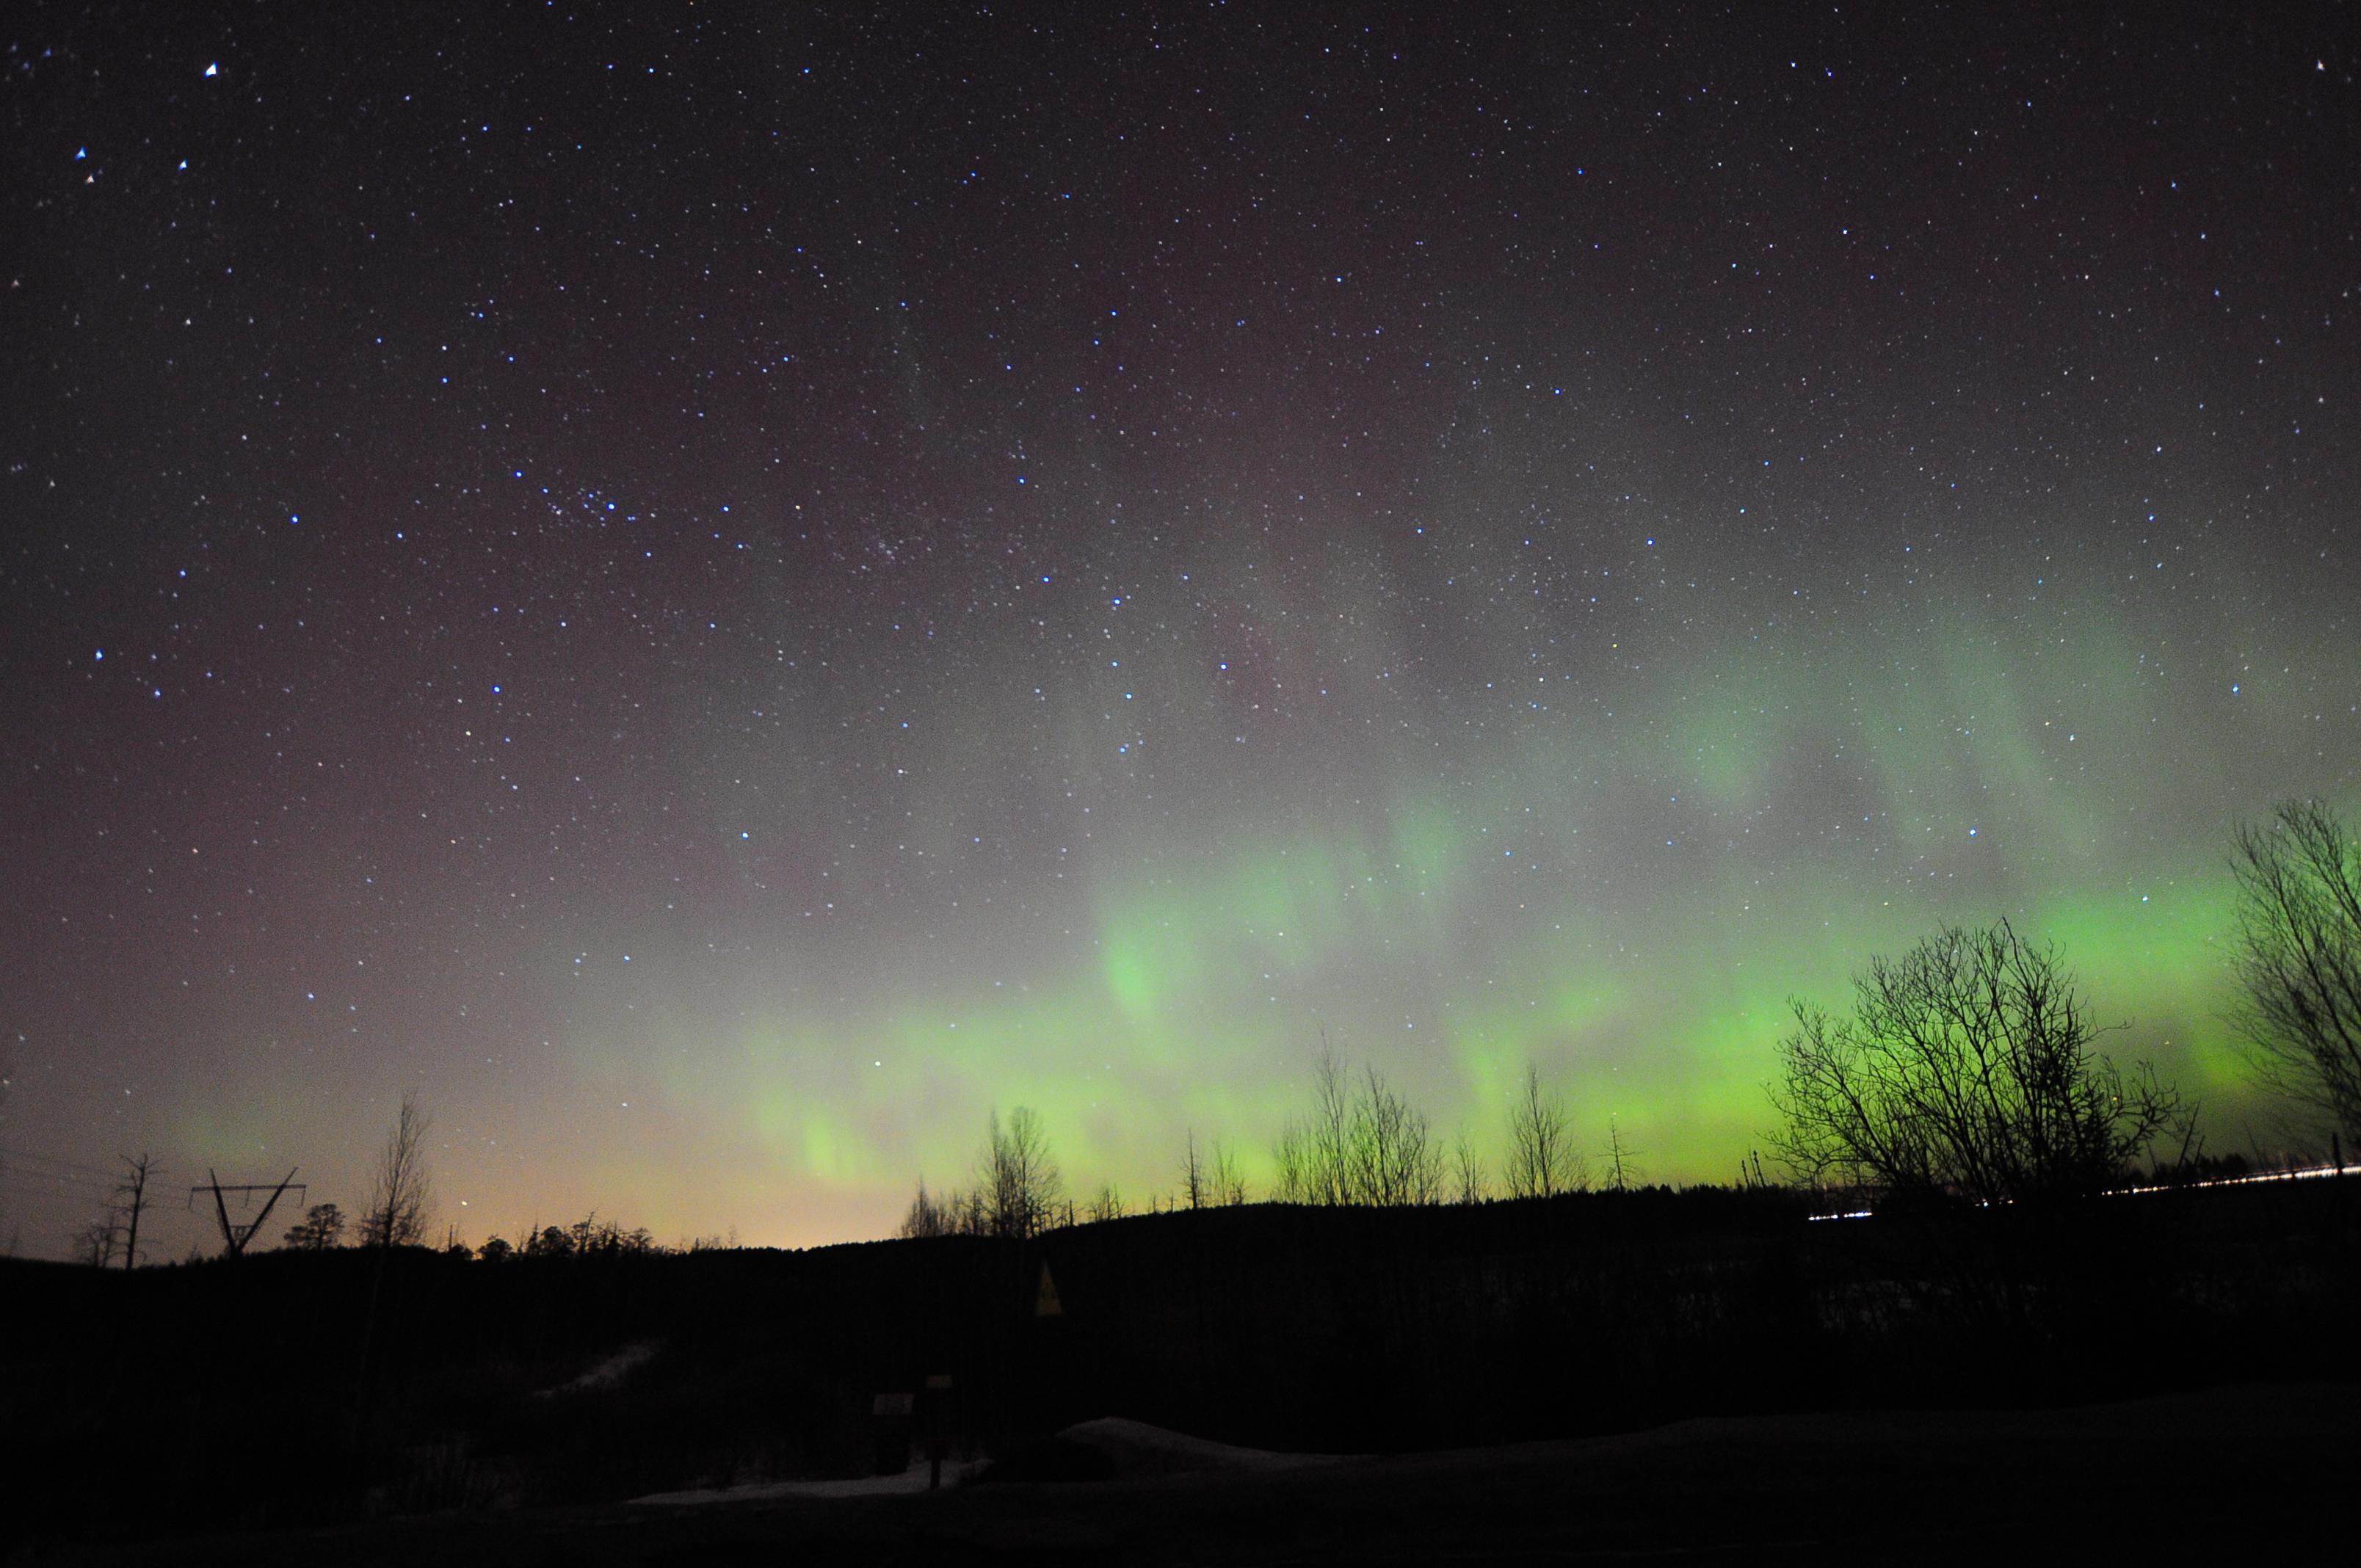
(721, 591)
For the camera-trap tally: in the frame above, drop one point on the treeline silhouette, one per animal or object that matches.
(1361, 1144)
(607, 1372)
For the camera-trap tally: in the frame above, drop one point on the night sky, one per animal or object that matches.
(720, 593)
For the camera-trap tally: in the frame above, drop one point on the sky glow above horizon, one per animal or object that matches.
(723, 596)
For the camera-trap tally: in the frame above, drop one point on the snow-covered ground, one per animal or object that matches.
(914, 1479)
(1133, 1449)
(606, 1374)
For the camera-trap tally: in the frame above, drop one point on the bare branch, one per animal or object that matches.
(401, 1195)
(1018, 1190)
(1966, 1068)
(2299, 957)
(1543, 1162)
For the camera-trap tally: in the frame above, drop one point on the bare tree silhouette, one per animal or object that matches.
(131, 1201)
(928, 1217)
(1393, 1159)
(1225, 1184)
(1324, 1142)
(1292, 1156)
(95, 1244)
(1018, 1185)
(1622, 1160)
(1472, 1182)
(1966, 1068)
(401, 1194)
(1543, 1161)
(1373, 1148)
(2299, 957)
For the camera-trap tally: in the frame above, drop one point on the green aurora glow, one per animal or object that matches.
(722, 601)
(1450, 932)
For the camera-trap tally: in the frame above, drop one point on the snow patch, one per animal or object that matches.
(914, 1479)
(1134, 1448)
(606, 1375)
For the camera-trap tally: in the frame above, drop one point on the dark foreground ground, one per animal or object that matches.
(2219, 1475)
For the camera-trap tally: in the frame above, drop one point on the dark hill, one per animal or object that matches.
(287, 1389)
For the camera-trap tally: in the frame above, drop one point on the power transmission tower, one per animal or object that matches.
(235, 1237)
(130, 1198)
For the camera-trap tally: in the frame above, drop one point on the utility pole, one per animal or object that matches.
(131, 1196)
(235, 1237)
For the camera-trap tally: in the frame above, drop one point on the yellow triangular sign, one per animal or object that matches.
(1045, 1300)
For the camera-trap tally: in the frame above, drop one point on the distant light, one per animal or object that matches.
(214, 70)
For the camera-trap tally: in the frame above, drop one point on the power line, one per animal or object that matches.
(18, 1151)
(58, 1173)
(56, 1178)
(8, 1155)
